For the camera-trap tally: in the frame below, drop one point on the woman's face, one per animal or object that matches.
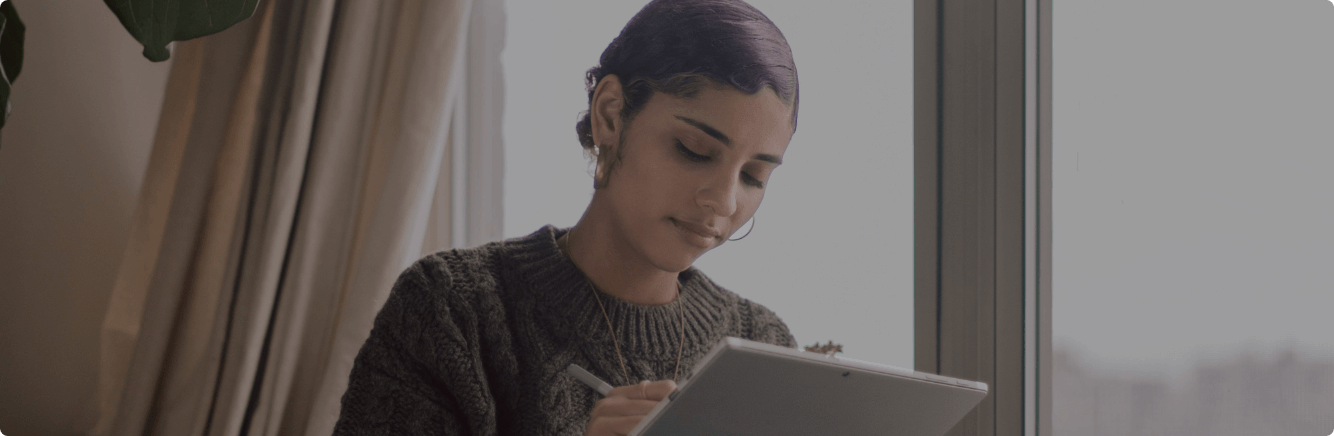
(694, 170)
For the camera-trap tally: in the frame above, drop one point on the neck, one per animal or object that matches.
(615, 267)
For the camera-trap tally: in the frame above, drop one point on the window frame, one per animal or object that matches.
(982, 215)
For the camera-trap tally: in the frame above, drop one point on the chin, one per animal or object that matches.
(674, 266)
(669, 253)
(672, 258)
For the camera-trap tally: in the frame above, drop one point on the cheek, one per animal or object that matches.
(646, 189)
(657, 177)
(749, 204)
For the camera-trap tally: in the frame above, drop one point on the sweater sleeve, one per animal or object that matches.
(417, 373)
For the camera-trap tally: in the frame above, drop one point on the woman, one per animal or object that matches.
(690, 111)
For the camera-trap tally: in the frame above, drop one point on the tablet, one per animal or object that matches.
(749, 388)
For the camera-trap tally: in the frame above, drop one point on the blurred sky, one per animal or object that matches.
(1193, 212)
(831, 252)
(1192, 145)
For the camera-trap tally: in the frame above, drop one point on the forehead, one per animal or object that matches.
(759, 120)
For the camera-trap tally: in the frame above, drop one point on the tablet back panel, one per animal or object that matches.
(748, 388)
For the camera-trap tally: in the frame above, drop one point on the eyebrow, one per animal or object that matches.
(709, 130)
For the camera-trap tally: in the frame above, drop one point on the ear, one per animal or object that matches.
(605, 112)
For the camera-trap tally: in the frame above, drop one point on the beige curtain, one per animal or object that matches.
(303, 159)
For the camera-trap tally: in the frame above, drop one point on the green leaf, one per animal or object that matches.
(11, 41)
(11, 52)
(156, 23)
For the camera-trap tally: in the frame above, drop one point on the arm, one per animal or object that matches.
(415, 373)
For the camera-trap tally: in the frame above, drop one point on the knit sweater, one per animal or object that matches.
(476, 341)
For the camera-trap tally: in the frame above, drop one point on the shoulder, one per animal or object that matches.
(757, 322)
(766, 326)
(451, 290)
(451, 273)
(464, 272)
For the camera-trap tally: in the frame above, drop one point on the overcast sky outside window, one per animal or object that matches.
(1193, 213)
(831, 252)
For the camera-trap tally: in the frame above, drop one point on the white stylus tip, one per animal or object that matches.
(589, 379)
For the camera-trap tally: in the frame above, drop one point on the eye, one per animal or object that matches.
(752, 181)
(692, 156)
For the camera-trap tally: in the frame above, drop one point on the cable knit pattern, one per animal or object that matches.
(475, 342)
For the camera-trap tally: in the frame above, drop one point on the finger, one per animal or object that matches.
(618, 425)
(657, 390)
(645, 391)
(621, 406)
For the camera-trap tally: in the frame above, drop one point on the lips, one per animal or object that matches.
(704, 235)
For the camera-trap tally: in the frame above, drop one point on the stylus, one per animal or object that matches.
(589, 379)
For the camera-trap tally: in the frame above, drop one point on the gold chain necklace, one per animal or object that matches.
(680, 305)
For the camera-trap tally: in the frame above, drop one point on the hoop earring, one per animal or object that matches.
(752, 227)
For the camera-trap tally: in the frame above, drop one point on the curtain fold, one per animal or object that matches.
(304, 158)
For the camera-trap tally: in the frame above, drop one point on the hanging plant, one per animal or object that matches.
(154, 23)
(11, 51)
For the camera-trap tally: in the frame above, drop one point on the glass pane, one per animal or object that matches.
(1192, 217)
(831, 251)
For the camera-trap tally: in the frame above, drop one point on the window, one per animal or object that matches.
(1192, 205)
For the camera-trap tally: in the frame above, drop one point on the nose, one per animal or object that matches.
(719, 195)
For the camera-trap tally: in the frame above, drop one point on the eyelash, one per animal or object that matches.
(696, 157)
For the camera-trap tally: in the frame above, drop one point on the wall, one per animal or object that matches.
(72, 158)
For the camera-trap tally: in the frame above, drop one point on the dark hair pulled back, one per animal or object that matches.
(678, 46)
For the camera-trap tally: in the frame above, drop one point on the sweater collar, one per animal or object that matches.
(567, 302)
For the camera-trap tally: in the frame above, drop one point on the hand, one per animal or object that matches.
(624, 407)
